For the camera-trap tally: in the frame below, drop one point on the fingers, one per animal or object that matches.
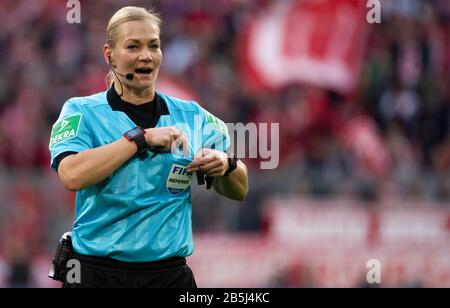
(199, 154)
(217, 171)
(212, 165)
(168, 138)
(185, 146)
(200, 162)
(202, 152)
(215, 166)
(180, 139)
(180, 142)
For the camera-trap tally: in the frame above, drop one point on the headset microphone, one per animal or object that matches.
(128, 76)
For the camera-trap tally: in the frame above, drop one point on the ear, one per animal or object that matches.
(107, 52)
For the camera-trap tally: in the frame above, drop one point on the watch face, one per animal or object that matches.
(135, 132)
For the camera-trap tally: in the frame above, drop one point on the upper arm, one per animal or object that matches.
(63, 164)
(64, 174)
(70, 133)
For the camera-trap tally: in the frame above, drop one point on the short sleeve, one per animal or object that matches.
(70, 133)
(214, 132)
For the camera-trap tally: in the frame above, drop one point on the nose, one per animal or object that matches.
(146, 56)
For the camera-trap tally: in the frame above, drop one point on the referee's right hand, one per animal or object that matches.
(168, 138)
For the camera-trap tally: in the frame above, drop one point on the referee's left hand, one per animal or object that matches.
(214, 163)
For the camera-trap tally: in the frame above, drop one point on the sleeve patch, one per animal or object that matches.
(65, 129)
(216, 123)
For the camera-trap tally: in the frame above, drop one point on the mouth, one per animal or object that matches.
(143, 71)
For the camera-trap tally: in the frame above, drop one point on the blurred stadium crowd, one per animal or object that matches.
(403, 91)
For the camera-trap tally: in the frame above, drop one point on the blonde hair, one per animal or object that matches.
(125, 14)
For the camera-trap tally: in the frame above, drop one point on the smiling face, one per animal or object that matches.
(137, 50)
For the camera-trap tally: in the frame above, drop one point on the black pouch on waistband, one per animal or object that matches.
(63, 254)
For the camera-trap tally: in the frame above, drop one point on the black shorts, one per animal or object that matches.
(98, 272)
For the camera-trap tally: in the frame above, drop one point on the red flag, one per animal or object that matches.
(316, 42)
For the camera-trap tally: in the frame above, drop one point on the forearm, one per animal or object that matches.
(234, 186)
(90, 167)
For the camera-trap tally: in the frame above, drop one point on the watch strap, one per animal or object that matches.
(138, 138)
(141, 143)
(232, 164)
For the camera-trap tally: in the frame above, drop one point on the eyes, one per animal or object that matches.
(152, 46)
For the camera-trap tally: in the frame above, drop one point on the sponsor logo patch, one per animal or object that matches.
(216, 123)
(178, 180)
(65, 129)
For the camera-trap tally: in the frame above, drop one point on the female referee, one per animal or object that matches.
(130, 153)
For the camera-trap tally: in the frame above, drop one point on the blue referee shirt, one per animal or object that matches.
(141, 212)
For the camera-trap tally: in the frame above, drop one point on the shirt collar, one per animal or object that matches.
(117, 103)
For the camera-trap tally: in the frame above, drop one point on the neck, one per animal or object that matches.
(135, 96)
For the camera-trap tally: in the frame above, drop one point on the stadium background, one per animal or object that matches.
(364, 114)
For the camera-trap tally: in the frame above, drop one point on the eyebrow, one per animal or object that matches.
(138, 41)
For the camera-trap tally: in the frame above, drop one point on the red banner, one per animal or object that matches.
(316, 42)
(361, 137)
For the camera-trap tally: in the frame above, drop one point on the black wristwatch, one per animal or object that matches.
(232, 164)
(137, 135)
